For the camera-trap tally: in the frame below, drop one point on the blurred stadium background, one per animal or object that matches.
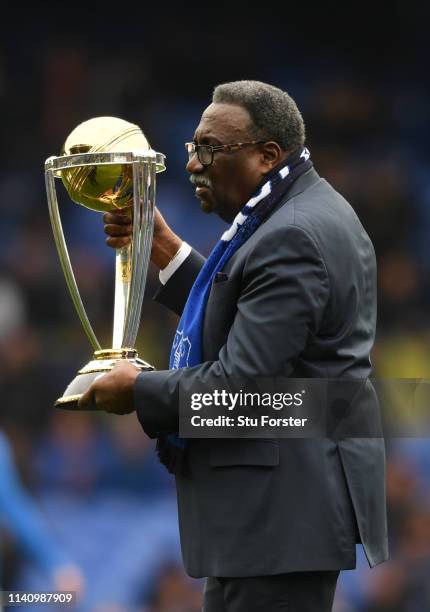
(93, 496)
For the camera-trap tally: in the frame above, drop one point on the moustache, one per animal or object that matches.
(200, 181)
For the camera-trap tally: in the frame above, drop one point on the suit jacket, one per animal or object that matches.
(298, 299)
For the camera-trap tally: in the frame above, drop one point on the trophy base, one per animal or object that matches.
(103, 361)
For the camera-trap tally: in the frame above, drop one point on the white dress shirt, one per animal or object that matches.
(174, 263)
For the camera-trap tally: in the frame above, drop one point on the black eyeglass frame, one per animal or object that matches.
(193, 148)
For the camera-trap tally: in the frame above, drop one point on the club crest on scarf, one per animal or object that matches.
(187, 348)
(181, 351)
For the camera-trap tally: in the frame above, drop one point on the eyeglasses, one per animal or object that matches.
(205, 153)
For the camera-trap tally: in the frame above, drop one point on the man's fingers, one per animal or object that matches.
(118, 230)
(124, 364)
(116, 218)
(86, 399)
(118, 242)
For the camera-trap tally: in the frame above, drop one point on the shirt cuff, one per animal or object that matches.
(173, 265)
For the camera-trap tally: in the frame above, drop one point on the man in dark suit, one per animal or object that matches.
(270, 522)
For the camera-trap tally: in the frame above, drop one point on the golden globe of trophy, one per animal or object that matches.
(107, 164)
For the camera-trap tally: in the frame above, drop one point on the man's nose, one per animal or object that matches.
(194, 166)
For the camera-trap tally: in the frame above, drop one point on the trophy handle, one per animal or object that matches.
(143, 227)
(63, 254)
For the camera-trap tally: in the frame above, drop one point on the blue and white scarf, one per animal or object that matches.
(187, 344)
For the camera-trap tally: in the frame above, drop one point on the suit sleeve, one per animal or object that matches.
(175, 292)
(284, 293)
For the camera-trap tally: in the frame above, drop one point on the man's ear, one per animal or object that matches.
(272, 155)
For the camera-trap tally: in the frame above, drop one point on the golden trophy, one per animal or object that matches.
(107, 164)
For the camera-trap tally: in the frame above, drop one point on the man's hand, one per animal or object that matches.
(118, 226)
(165, 245)
(113, 391)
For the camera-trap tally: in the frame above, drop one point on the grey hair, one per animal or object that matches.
(274, 113)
